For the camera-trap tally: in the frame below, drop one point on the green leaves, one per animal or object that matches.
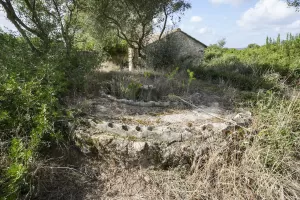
(29, 88)
(246, 68)
(172, 74)
(132, 20)
(191, 75)
(294, 3)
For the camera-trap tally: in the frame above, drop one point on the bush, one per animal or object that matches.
(231, 70)
(246, 68)
(30, 89)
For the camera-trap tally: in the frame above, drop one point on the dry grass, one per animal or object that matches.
(223, 176)
(267, 168)
(119, 84)
(244, 178)
(261, 164)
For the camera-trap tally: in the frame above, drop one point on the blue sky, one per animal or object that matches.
(241, 22)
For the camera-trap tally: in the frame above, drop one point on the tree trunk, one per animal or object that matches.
(132, 58)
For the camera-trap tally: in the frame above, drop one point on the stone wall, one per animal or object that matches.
(175, 49)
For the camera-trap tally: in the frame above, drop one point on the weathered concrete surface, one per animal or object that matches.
(158, 147)
(161, 140)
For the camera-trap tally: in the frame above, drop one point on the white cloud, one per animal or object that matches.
(232, 2)
(267, 13)
(170, 22)
(196, 19)
(278, 29)
(155, 20)
(187, 28)
(206, 30)
(294, 25)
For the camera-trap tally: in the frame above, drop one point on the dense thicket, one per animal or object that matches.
(31, 89)
(255, 66)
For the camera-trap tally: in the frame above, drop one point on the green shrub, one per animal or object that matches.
(246, 68)
(30, 89)
(131, 92)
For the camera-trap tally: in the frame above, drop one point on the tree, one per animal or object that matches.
(52, 20)
(294, 3)
(169, 9)
(221, 43)
(291, 37)
(278, 39)
(132, 20)
(270, 40)
(253, 45)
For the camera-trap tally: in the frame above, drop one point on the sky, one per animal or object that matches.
(240, 22)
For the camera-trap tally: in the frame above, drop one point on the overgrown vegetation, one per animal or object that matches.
(265, 159)
(54, 55)
(254, 67)
(31, 113)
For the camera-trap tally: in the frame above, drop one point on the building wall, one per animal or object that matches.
(176, 49)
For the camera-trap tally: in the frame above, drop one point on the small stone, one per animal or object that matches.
(152, 103)
(92, 123)
(110, 125)
(112, 193)
(157, 104)
(243, 119)
(102, 140)
(125, 128)
(139, 146)
(166, 104)
(208, 127)
(138, 128)
(147, 104)
(147, 179)
(101, 108)
(150, 128)
(175, 103)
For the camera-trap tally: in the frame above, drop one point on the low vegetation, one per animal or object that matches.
(53, 62)
(263, 166)
(254, 67)
(31, 111)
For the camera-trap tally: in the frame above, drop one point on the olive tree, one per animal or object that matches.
(294, 3)
(51, 20)
(133, 20)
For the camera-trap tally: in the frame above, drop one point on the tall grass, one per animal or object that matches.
(260, 164)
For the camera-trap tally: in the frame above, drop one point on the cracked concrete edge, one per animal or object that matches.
(142, 103)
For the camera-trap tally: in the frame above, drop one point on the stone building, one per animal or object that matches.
(176, 49)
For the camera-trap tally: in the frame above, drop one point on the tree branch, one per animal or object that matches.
(11, 15)
(165, 23)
